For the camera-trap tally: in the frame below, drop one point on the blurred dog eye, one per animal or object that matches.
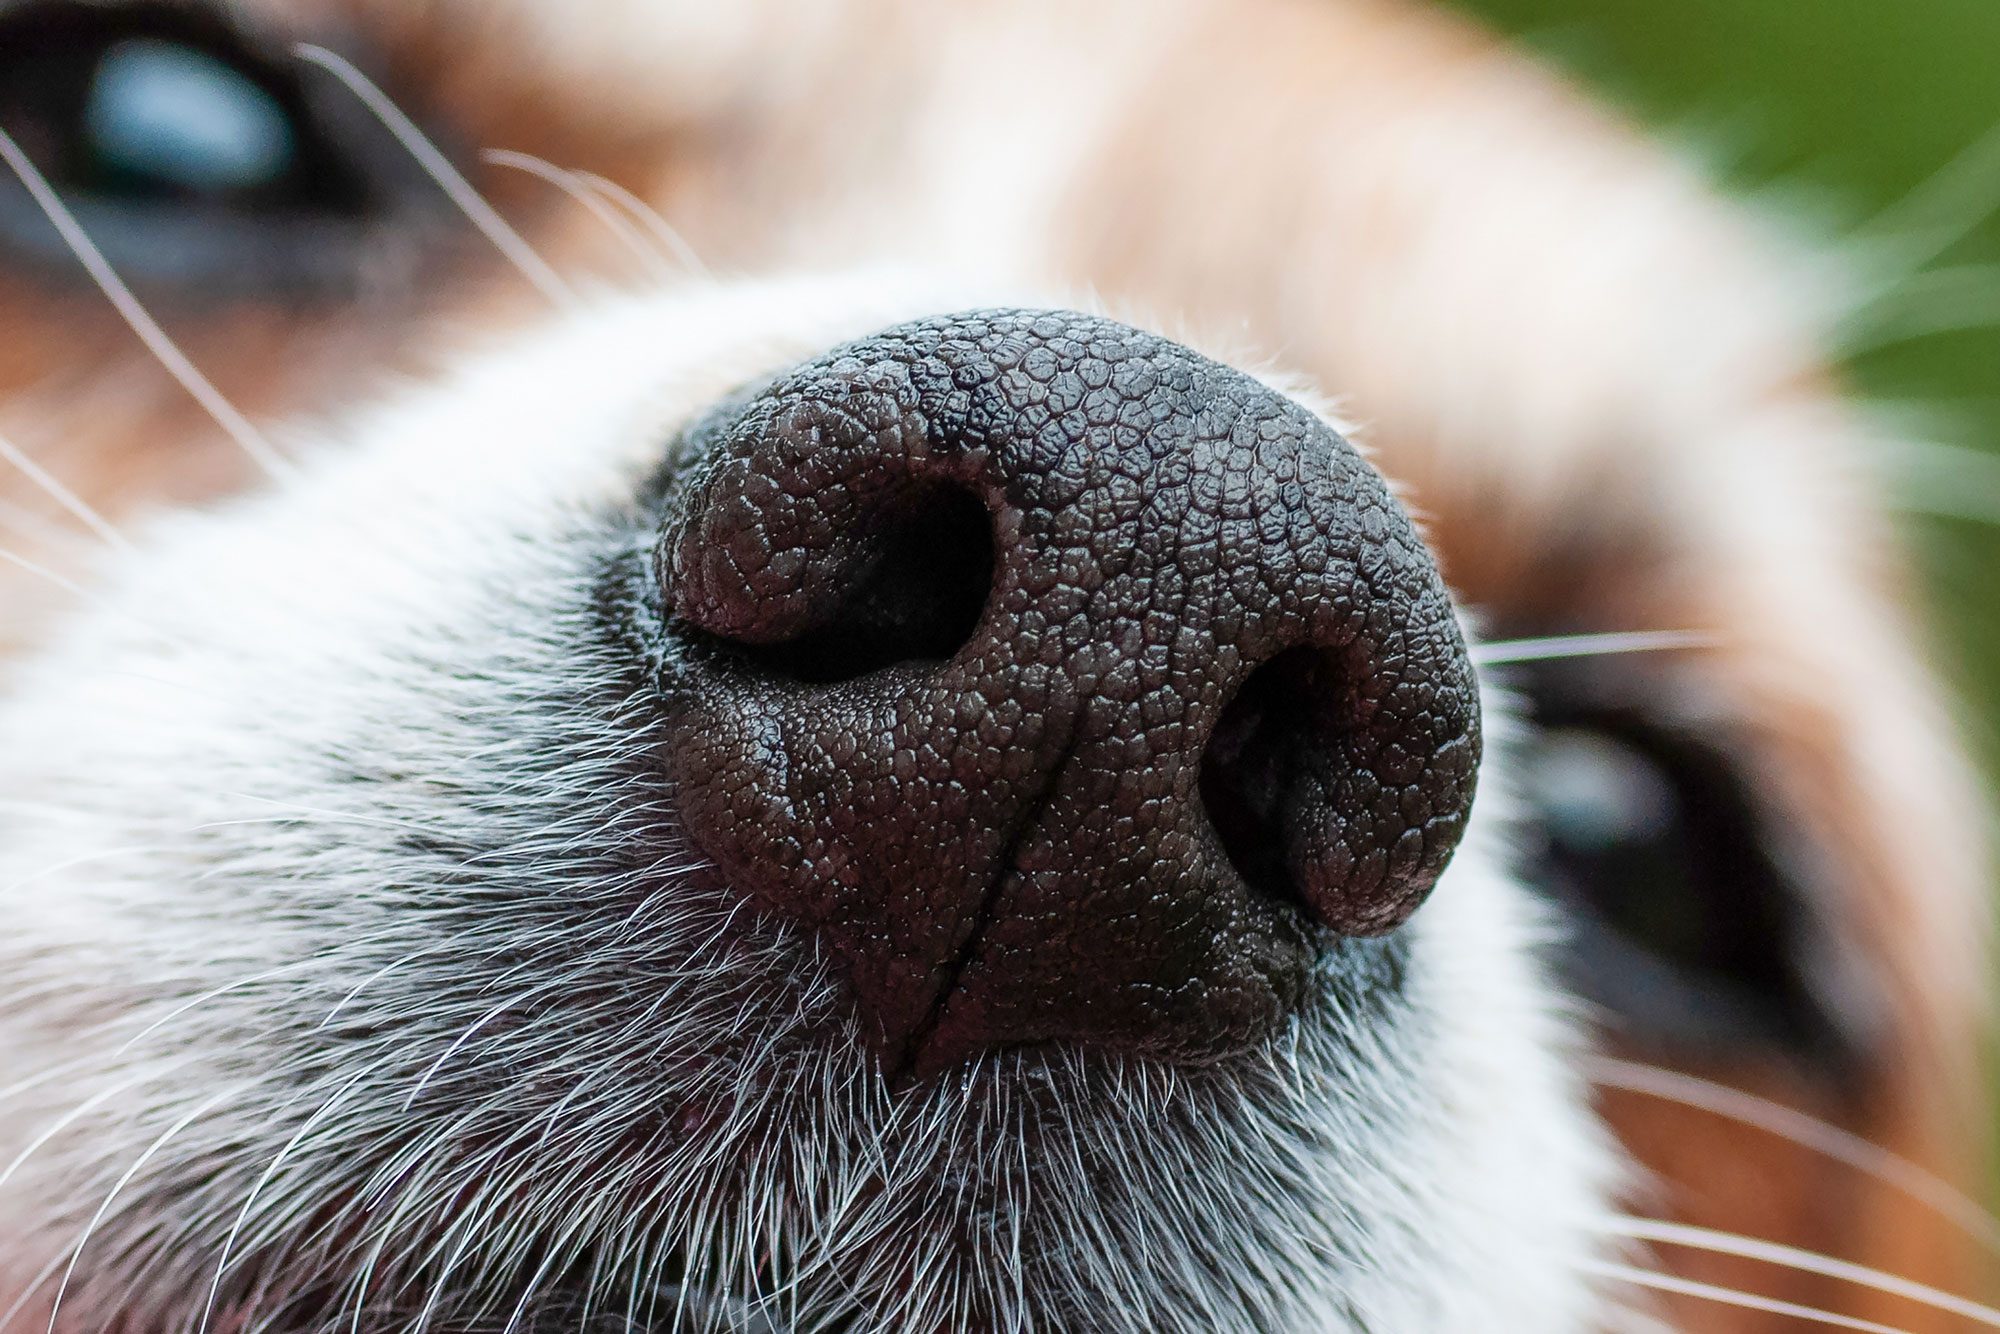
(1688, 925)
(193, 155)
(161, 119)
(1611, 814)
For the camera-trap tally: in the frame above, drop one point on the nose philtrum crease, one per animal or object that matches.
(1022, 825)
(902, 1064)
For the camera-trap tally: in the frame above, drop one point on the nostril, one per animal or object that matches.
(1105, 799)
(915, 594)
(1257, 758)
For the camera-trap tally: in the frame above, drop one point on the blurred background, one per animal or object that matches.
(1875, 123)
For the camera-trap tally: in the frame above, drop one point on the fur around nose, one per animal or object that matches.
(1069, 685)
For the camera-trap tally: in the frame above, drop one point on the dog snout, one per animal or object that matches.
(1070, 686)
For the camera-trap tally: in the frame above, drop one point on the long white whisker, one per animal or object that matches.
(215, 993)
(76, 1113)
(29, 1289)
(91, 599)
(1804, 1130)
(63, 496)
(18, 518)
(591, 201)
(47, 1134)
(138, 1165)
(649, 217)
(270, 1171)
(43, 572)
(1642, 1278)
(234, 423)
(1497, 652)
(326, 1021)
(1791, 1257)
(469, 1032)
(460, 191)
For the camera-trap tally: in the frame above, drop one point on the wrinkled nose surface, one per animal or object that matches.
(1071, 686)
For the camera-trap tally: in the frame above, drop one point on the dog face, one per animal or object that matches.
(566, 787)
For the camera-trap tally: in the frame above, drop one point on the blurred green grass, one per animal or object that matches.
(1844, 110)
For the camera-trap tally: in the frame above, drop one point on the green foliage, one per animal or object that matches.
(1880, 121)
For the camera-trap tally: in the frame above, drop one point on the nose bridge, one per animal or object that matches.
(1012, 842)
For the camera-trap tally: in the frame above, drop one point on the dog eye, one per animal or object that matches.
(164, 120)
(191, 154)
(1688, 924)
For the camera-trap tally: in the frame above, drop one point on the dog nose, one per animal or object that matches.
(1070, 686)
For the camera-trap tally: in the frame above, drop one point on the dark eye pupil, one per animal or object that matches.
(1614, 819)
(165, 118)
(1684, 922)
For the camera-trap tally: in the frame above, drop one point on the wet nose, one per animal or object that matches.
(1070, 686)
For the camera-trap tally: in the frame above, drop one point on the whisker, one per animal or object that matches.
(592, 201)
(63, 496)
(16, 517)
(271, 1169)
(1791, 1257)
(449, 942)
(42, 1077)
(85, 596)
(649, 217)
(1501, 651)
(203, 998)
(43, 572)
(471, 1030)
(41, 1279)
(1687, 1287)
(1808, 1132)
(81, 1110)
(460, 191)
(138, 1165)
(164, 349)
(49, 1133)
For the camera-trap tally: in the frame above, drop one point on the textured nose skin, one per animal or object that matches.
(1071, 686)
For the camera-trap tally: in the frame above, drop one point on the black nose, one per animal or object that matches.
(1070, 685)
